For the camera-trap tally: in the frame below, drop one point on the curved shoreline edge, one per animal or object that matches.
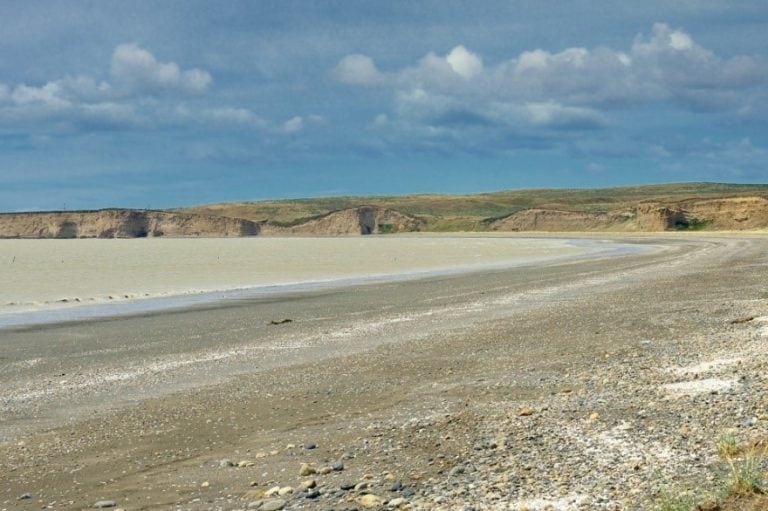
(58, 312)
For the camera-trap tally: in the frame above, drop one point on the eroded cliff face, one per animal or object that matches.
(731, 213)
(361, 220)
(120, 223)
(728, 213)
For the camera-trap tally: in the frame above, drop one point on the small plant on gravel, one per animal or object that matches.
(728, 446)
(746, 475)
(681, 502)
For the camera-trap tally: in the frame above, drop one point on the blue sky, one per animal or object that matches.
(162, 104)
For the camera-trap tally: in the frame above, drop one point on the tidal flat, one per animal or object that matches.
(568, 383)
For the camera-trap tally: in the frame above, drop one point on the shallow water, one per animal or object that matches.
(68, 275)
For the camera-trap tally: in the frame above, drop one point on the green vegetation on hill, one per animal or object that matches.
(470, 212)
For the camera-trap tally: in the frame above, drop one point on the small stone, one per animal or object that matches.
(308, 484)
(104, 503)
(245, 463)
(272, 505)
(370, 500)
(398, 502)
(205, 484)
(456, 471)
(526, 411)
(594, 416)
(748, 422)
(397, 486)
(310, 446)
(306, 470)
(253, 494)
(326, 470)
(338, 466)
(272, 491)
(285, 490)
(313, 494)
(346, 486)
(226, 463)
(363, 485)
(25, 496)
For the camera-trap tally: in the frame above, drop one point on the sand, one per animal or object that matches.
(117, 275)
(401, 377)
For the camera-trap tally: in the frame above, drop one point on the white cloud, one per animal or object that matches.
(5, 92)
(49, 95)
(668, 65)
(464, 62)
(554, 115)
(357, 69)
(227, 115)
(107, 114)
(536, 96)
(136, 70)
(293, 125)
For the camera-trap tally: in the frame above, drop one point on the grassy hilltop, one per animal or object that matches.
(444, 213)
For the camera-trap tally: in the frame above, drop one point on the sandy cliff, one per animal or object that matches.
(360, 220)
(120, 223)
(721, 213)
(716, 214)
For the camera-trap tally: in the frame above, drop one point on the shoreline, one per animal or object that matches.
(512, 389)
(18, 315)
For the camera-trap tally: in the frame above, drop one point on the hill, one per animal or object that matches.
(636, 208)
(687, 206)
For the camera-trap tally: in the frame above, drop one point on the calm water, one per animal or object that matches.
(70, 275)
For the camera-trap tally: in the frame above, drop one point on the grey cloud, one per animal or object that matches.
(666, 66)
(357, 69)
(135, 70)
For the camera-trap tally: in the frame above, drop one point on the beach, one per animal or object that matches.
(593, 381)
(54, 280)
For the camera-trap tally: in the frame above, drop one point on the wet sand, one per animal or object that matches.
(142, 409)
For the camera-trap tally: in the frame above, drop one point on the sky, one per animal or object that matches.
(150, 104)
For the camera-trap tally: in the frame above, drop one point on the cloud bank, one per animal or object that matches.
(572, 89)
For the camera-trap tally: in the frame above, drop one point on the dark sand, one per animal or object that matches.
(141, 409)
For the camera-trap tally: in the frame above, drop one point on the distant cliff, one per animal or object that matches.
(728, 213)
(360, 220)
(571, 211)
(120, 223)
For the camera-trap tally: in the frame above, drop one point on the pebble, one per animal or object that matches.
(307, 470)
(272, 505)
(398, 502)
(338, 466)
(370, 500)
(104, 503)
(308, 484)
(25, 496)
(313, 494)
